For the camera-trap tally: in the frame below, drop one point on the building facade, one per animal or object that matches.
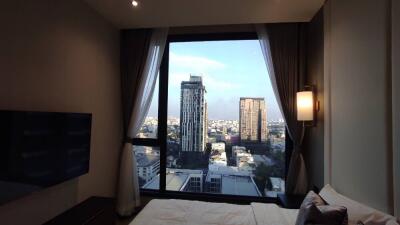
(193, 122)
(252, 120)
(148, 166)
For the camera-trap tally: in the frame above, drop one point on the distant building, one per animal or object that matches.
(263, 159)
(146, 150)
(218, 146)
(277, 185)
(211, 139)
(179, 180)
(219, 137)
(234, 139)
(149, 128)
(226, 180)
(193, 122)
(243, 159)
(171, 161)
(231, 182)
(252, 120)
(237, 149)
(148, 166)
(205, 119)
(217, 159)
(245, 162)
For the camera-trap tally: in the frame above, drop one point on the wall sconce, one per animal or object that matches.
(307, 106)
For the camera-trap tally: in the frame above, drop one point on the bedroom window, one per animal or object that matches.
(214, 127)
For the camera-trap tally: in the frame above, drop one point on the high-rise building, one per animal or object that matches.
(193, 123)
(205, 130)
(253, 119)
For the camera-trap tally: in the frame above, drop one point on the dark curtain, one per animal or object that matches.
(288, 44)
(134, 50)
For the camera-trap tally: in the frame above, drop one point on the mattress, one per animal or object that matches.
(272, 214)
(184, 212)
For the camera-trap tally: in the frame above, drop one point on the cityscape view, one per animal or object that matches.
(236, 147)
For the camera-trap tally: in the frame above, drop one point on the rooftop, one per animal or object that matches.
(175, 179)
(278, 186)
(196, 78)
(239, 185)
(193, 80)
(234, 182)
(174, 182)
(254, 98)
(263, 159)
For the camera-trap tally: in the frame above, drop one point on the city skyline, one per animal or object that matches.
(230, 70)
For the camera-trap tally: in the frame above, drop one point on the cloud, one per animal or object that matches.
(175, 79)
(194, 63)
(199, 66)
(210, 82)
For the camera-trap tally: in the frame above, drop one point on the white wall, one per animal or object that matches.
(358, 101)
(62, 56)
(396, 100)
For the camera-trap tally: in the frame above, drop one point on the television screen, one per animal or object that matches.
(41, 149)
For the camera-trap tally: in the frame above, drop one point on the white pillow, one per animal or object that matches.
(355, 210)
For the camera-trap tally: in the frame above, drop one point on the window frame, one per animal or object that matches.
(161, 140)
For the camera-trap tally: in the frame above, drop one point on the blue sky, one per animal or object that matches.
(230, 70)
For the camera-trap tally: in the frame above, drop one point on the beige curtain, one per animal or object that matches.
(141, 56)
(283, 48)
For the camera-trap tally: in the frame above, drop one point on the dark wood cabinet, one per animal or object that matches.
(93, 211)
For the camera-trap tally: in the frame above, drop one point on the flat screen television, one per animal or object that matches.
(41, 149)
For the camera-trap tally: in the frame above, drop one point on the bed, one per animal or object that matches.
(184, 212)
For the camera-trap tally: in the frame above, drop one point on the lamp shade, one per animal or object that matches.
(305, 106)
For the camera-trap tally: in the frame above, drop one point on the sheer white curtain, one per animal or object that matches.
(128, 196)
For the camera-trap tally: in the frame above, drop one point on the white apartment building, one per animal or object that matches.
(219, 146)
(148, 166)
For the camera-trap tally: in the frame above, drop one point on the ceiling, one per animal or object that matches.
(174, 13)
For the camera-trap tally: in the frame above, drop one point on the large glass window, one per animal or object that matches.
(223, 131)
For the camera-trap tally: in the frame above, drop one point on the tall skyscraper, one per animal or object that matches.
(253, 119)
(193, 122)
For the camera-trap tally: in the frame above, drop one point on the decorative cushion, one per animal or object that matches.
(356, 211)
(331, 214)
(314, 210)
(312, 198)
(392, 222)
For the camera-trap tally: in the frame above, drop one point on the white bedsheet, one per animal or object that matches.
(272, 214)
(184, 212)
